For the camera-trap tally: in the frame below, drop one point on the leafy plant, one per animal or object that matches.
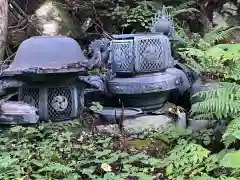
(202, 54)
(134, 16)
(141, 15)
(96, 106)
(219, 101)
(66, 152)
(223, 102)
(184, 159)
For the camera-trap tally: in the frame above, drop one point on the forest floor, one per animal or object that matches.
(65, 151)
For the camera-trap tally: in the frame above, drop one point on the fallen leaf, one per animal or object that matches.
(106, 167)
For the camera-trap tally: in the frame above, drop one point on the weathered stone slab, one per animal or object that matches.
(139, 124)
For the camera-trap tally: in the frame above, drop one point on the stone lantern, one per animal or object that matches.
(49, 67)
(144, 72)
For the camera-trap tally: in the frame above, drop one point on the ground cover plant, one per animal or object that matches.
(221, 101)
(65, 151)
(208, 55)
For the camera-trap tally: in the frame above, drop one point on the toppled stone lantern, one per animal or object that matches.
(47, 70)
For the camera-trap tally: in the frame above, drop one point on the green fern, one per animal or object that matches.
(222, 59)
(210, 37)
(183, 8)
(6, 161)
(219, 33)
(185, 159)
(56, 168)
(181, 11)
(185, 5)
(232, 132)
(207, 177)
(220, 101)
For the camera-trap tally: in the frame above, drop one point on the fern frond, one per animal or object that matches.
(205, 116)
(224, 90)
(192, 52)
(232, 71)
(230, 86)
(185, 5)
(202, 44)
(190, 62)
(214, 93)
(181, 11)
(219, 33)
(217, 106)
(221, 99)
(57, 167)
(232, 132)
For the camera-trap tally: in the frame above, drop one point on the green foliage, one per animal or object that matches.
(65, 152)
(223, 102)
(134, 16)
(184, 7)
(220, 101)
(52, 151)
(188, 159)
(232, 132)
(142, 14)
(206, 177)
(231, 160)
(201, 53)
(96, 107)
(208, 39)
(170, 134)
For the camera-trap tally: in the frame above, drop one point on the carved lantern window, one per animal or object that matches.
(141, 53)
(54, 102)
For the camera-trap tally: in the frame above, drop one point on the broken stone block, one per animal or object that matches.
(13, 112)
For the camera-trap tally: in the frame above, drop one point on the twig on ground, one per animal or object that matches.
(8, 58)
(14, 31)
(18, 8)
(120, 123)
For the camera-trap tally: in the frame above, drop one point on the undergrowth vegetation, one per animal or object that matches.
(206, 54)
(64, 151)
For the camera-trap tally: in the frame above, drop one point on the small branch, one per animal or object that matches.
(10, 57)
(20, 29)
(120, 123)
(101, 24)
(18, 8)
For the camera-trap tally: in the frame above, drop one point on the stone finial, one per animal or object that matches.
(162, 23)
